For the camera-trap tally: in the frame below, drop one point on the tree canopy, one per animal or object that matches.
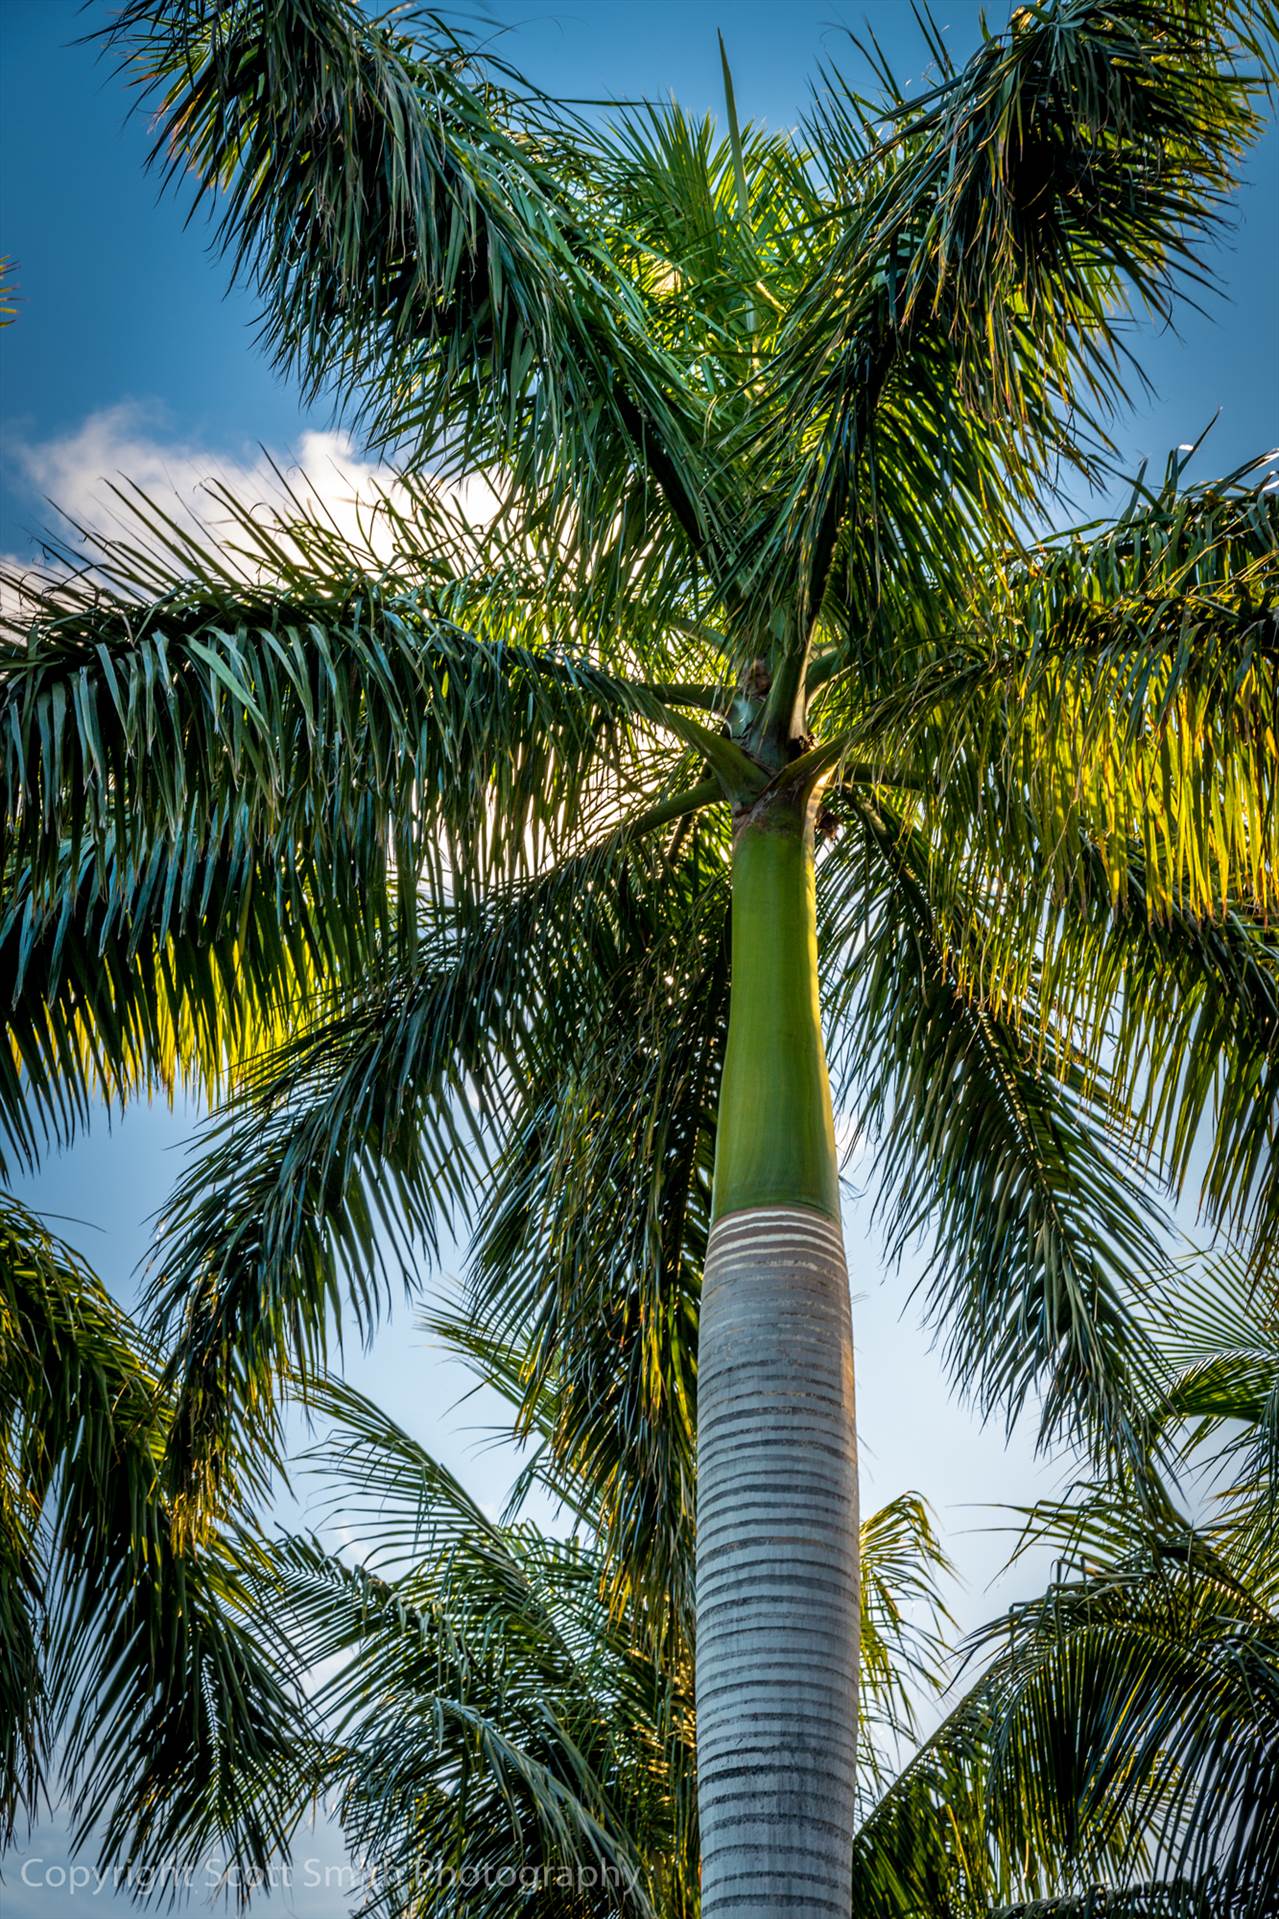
(418, 868)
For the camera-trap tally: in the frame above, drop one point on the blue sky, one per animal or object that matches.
(123, 306)
(129, 355)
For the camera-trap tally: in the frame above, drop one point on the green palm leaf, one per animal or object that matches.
(423, 230)
(977, 275)
(346, 1152)
(219, 797)
(1167, 1697)
(995, 1145)
(131, 1676)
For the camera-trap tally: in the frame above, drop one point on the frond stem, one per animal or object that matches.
(676, 806)
(713, 699)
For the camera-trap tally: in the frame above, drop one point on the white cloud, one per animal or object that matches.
(123, 446)
(119, 443)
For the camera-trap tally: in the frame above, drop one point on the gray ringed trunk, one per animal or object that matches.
(777, 1569)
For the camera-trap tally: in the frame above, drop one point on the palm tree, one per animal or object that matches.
(1174, 1625)
(488, 1722)
(428, 846)
(490, 1727)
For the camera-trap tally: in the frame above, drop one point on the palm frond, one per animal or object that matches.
(590, 1246)
(1213, 1898)
(1148, 1677)
(1187, 1008)
(990, 1141)
(166, 972)
(487, 1713)
(424, 231)
(1219, 1342)
(225, 769)
(133, 1679)
(993, 230)
(1116, 1754)
(349, 1149)
(1123, 680)
(287, 678)
(1090, 756)
(902, 1654)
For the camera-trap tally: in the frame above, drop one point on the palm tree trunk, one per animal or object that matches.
(777, 1575)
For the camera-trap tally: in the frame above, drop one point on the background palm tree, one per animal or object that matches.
(1110, 1747)
(434, 854)
(489, 1729)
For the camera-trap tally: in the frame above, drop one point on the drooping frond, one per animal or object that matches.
(145, 975)
(300, 688)
(1117, 686)
(225, 771)
(132, 1679)
(426, 234)
(991, 1142)
(1219, 1404)
(929, 1845)
(1189, 1009)
(344, 1156)
(348, 1150)
(1092, 754)
(590, 1248)
(901, 1652)
(486, 1712)
(1117, 1754)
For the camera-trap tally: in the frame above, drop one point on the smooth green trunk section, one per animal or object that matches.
(776, 1137)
